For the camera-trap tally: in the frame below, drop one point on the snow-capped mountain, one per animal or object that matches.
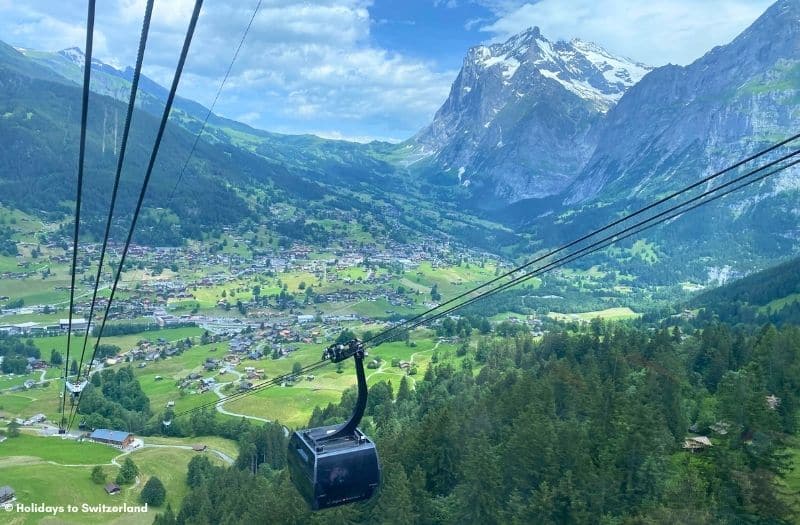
(583, 68)
(520, 115)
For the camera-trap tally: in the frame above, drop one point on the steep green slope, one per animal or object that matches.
(772, 295)
(237, 173)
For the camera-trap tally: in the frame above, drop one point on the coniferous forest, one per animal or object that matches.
(587, 425)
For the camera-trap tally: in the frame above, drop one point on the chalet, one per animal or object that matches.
(695, 443)
(112, 437)
(7, 494)
(37, 364)
(112, 488)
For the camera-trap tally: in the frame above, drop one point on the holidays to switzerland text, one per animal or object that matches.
(43, 508)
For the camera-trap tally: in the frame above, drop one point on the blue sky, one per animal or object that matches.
(361, 69)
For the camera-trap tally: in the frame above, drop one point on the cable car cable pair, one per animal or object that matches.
(587, 236)
(153, 155)
(87, 72)
(137, 70)
(120, 162)
(610, 239)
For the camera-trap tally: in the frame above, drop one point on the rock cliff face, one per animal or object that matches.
(519, 121)
(681, 122)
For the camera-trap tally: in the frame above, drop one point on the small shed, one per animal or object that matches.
(112, 488)
(199, 447)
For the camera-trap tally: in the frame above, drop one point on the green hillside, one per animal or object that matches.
(236, 174)
(771, 295)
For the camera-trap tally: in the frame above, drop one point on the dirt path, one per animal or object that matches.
(380, 369)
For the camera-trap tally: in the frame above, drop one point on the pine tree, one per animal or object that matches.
(394, 504)
(168, 518)
(127, 473)
(55, 358)
(153, 492)
(404, 392)
(13, 429)
(98, 475)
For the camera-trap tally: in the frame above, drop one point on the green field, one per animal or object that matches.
(226, 446)
(609, 314)
(37, 290)
(15, 404)
(55, 449)
(292, 405)
(125, 342)
(56, 472)
(777, 304)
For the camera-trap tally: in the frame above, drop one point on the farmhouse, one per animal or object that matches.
(112, 437)
(6, 494)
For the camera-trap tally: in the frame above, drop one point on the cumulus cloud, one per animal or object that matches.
(304, 65)
(655, 32)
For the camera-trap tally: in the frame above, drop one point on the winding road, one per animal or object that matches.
(218, 390)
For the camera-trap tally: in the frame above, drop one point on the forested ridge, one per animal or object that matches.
(583, 426)
(748, 300)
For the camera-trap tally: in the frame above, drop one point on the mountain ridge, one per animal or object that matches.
(519, 117)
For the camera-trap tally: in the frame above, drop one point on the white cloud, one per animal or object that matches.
(304, 66)
(655, 32)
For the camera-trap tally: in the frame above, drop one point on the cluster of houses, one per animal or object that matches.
(534, 323)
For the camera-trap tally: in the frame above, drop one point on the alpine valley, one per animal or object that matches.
(655, 380)
(538, 141)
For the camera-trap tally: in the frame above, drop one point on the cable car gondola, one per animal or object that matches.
(338, 464)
